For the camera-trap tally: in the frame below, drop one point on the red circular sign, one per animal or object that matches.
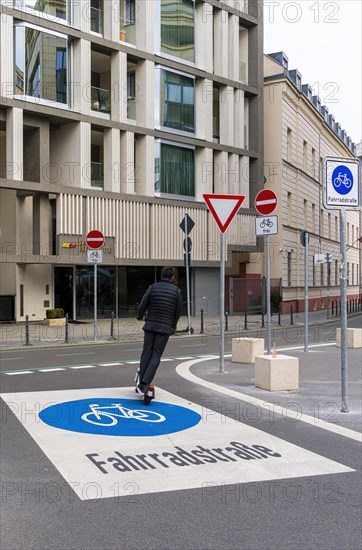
(95, 239)
(265, 202)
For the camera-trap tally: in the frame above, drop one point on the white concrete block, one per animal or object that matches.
(278, 373)
(354, 338)
(244, 350)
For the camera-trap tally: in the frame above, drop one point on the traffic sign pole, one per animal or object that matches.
(343, 283)
(95, 240)
(187, 251)
(95, 301)
(306, 297)
(268, 310)
(222, 301)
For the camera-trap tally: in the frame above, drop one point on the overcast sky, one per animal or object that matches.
(322, 40)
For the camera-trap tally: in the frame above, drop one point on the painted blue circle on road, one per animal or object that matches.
(119, 417)
(342, 179)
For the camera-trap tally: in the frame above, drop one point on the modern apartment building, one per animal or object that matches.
(118, 115)
(299, 133)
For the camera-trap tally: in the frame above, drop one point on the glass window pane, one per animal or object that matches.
(177, 102)
(177, 28)
(176, 174)
(54, 8)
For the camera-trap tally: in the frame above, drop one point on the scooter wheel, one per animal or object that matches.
(147, 400)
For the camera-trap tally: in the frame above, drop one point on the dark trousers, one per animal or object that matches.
(154, 344)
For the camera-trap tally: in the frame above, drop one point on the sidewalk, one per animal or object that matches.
(13, 336)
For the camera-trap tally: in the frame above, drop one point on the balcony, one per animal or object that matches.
(97, 178)
(127, 31)
(100, 100)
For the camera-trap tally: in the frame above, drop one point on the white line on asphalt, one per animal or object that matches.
(109, 364)
(183, 358)
(131, 362)
(183, 369)
(166, 359)
(19, 372)
(83, 367)
(49, 370)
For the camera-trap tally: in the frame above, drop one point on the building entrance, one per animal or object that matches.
(63, 289)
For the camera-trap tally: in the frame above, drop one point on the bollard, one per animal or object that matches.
(291, 315)
(279, 317)
(332, 308)
(246, 319)
(66, 340)
(226, 320)
(202, 322)
(27, 343)
(262, 320)
(112, 326)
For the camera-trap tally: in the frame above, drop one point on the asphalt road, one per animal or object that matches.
(303, 492)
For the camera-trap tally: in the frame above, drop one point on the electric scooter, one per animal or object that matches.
(149, 393)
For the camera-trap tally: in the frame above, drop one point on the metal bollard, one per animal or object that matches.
(291, 315)
(226, 320)
(202, 322)
(279, 317)
(112, 326)
(332, 308)
(246, 319)
(262, 320)
(27, 343)
(66, 339)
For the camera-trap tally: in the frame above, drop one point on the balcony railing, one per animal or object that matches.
(100, 100)
(131, 108)
(127, 30)
(96, 20)
(97, 179)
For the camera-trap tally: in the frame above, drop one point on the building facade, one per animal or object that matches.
(299, 134)
(118, 115)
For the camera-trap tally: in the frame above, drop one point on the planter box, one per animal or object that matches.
(354, 338)
(55, 322)
(244, 350)
(278, 373)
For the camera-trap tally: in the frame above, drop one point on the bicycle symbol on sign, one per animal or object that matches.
(100, 416)
(342, 179)
(266, 222)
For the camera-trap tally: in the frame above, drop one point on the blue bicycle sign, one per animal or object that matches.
(342, 179)
(119, 417)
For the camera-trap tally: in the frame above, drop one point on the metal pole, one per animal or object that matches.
(66, 331)
(112, 326)
(343, 310)
(187, 277)
(222, 301)
(27, 330)
(306, 300)
(95, 301)
(268, 312)
(202, 322)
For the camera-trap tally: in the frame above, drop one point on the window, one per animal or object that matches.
(131, 95)
(41, 66)
(336, 281)
(305, 213)
(174, 170)
(289, 269)
(177, 101)
(313, 162)
(305, 156)
(49, 8)
(313, 218)
(289, 207)
(289, 144)
(177, 28)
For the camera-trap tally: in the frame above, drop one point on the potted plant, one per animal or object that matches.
(122, 35)
(55, 317)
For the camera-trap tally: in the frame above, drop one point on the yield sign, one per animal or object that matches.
(266, 202)
(223, 208)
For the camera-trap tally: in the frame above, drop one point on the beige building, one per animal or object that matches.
(299, 134)
(118, 116)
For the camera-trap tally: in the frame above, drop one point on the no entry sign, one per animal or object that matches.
(266, 202)
(95, 239)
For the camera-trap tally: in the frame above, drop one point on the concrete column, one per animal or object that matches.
(221, 43)
(204, 58)
(239, 118)
(233, 175)
(112, 160)
(14, 144)
(111, 15)
(127, 168)
(203, 172)
(82, 15)
(233, 47)
(119, 86)
(41, 224)
(84, 140)
(145, 166)
(203, 108)
(244, 187)
(226, 115)
(145, 93)
(145, 26)
(6, 56)
(221, 167)
(82, 76)
(44, 152)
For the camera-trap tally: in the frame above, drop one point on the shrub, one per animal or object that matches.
(57, 313)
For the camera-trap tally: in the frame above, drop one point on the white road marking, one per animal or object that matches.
(109, 364)
(50, 370)
(83, 367)
(184, 370)
(19, 372)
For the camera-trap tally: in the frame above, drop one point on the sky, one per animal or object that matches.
(322, 39)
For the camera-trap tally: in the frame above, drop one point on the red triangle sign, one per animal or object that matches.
(223, 208)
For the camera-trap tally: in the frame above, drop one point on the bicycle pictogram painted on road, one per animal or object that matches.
(342, 179)
(119, 417)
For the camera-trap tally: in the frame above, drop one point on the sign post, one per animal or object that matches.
(223, 208)
(265, 203)
(342, 191)
(95, 240)
(187, 225)
(304, 241)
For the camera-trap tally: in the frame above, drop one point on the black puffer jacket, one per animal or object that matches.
(162, 302)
